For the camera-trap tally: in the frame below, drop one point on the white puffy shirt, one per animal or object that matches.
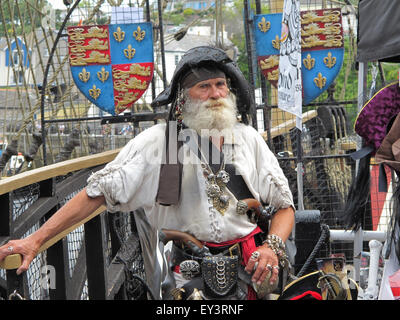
(130, 181)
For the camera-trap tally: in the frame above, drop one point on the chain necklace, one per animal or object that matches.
(216, 185)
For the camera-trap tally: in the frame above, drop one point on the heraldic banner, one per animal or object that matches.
(322, 49)
(289, 80)
(112, 65)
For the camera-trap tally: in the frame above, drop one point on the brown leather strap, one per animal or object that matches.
(169, 186)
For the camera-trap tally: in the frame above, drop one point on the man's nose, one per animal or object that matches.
(215, 92)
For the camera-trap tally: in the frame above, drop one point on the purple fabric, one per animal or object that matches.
(371, 123)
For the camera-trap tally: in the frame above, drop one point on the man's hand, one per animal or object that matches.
(73, 212)
(267, 263)
(28, 248)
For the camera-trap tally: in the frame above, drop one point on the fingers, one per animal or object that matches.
(275, 273)
(251, 264)
(261, 273)
(6, 250)
(266, 265)
(25, 265)
(22, 247)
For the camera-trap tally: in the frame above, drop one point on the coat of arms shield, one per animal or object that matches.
(322, 48)
(112, 65)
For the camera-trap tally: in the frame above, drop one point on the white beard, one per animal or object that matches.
(199, 116)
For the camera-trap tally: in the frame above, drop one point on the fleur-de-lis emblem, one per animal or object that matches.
(103, 75)
(129, 52)
(320, 81)
(119, 35)
(84, 76)
(309, 62)
(264, 25)
(276, 43)
(94, 92)
(330, 61)
(139, 34)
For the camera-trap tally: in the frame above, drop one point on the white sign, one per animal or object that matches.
(126, 15)
(289, 82)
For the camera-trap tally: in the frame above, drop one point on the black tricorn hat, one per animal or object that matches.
(205, 56)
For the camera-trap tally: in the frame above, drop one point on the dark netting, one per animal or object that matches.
(130, 255)
(23, 198)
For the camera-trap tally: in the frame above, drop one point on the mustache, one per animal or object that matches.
(211, 103)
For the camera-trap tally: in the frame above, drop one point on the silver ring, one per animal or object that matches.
(276, 267)
(10, 249)
(268, 267)
(241, 207)
(255, 255)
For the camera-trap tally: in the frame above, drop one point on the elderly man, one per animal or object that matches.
(190, 175)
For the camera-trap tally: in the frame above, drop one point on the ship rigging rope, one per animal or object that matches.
(322, 239)
(182, 32)
(29, 118)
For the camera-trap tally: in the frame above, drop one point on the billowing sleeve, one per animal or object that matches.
(129, 181)
(273, 184)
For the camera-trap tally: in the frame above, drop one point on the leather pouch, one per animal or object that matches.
(220, 275)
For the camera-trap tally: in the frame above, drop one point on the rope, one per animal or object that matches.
(56, 71)
(29, 118)
(317, 247)
(16, 76)
(182, 32)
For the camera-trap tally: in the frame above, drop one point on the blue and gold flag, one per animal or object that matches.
(112, 65)
(322, 48)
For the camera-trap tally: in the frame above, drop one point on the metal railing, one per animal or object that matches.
(85, 261)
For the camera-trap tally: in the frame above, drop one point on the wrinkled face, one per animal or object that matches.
(214, 112)
(209, 104)
(212, 89)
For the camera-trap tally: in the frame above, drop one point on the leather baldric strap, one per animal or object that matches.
(169, 186)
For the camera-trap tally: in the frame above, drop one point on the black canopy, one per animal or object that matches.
(378, 30)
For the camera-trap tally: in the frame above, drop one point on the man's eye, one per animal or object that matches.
(221, 84)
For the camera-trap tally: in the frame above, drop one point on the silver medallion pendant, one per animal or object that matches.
(224, 199)
(189, 269)
(215, 188)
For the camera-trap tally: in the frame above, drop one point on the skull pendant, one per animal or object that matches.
(223, 177)
(213, 190)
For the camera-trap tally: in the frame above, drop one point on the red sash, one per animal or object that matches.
(248, 244)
